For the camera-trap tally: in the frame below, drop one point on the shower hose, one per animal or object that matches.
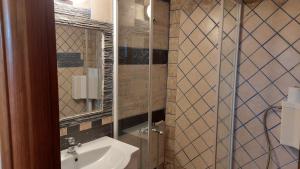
(266, 112)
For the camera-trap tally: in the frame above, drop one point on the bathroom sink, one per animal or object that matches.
(103, 153)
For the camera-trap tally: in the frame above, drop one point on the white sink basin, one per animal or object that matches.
(103, 153)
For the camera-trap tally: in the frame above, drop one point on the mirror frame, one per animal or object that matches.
(70, 16)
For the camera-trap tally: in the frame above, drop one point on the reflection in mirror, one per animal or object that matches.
(84, 67)
(80, 71)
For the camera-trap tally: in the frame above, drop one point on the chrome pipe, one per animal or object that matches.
(115, 69)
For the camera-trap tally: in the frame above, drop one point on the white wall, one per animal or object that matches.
(101, 10)
(82, 4)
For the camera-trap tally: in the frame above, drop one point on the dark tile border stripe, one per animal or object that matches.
(69, 60)
(132, 56)
(168, 1)
(98, 130)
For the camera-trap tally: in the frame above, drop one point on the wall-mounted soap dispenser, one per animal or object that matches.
(290, 119)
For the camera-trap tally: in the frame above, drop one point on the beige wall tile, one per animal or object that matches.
(172, 57)
(172, 70)
(173, 43)
(170, 120)
(85, 126)
(291, 32)
(171, 108)
(174, 30)
(174, 17)
(292, 7)
(107, 120)
(133, 83)
(176, 4)
(187, 77)
(63, 132)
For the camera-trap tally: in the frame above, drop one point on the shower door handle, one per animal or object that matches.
(157, 131)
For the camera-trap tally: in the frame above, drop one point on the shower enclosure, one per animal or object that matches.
(133, 30)
(248, 32)
(134, 72)
(140, 91)
(249, 49)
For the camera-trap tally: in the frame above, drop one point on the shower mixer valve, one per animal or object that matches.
(158, 131)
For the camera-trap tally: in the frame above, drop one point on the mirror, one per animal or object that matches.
(80, 73)
(84, 65)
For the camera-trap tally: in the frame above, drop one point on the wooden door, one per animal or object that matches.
(29, 119)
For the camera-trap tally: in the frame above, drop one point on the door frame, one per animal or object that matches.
(29, 114)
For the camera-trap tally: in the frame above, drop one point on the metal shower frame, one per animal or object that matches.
(239, 4)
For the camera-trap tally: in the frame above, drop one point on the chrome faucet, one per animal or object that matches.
(72, 145)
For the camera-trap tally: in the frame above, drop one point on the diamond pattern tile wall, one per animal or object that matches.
(271, 52)
(269, 63)
(69, 40)
(196, 85)
(67, 105)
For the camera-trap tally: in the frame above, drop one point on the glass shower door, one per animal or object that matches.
(229, 51)
(134, 113)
